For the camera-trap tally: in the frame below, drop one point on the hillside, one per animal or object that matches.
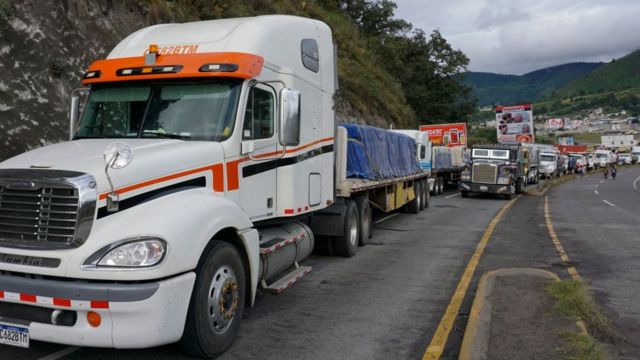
(623, 73)
(492, 88)
(46, 45)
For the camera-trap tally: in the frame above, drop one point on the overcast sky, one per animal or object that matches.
(518, 36)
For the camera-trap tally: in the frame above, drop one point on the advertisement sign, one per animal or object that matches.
(514, 124)
(565, 140)
(446, 134)
(555, 123)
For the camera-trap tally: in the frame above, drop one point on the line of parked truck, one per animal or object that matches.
(190, 182)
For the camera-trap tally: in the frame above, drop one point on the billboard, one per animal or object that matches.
(514, 124)
(555, 123)
(565, 140)
(446, 134)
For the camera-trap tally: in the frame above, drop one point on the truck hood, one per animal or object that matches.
(152, 159)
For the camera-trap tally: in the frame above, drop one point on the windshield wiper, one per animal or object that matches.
(166, 135)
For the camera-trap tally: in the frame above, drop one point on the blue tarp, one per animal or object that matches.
(374, 153)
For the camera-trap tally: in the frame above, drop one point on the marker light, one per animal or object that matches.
(153, 49)
(94, 319)
(149, 70)
(92, 74)
(218, 68)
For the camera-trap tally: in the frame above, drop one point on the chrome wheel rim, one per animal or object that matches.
(353, 230)
(222, 300)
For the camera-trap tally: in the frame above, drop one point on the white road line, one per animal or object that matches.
(597, 185)
(602, 181)
(635, 183)
(608, 203)
(454, 195)
(62, 353)
(595, 191)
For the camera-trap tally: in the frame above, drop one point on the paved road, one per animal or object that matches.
(385, 303)
(599, 224)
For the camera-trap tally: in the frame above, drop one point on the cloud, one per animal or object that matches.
(518, 36)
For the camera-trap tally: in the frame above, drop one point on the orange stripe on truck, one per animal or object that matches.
(216, 169)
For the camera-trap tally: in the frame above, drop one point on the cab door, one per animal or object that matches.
(260, 150)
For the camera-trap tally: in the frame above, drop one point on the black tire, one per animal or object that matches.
(425, 194)
(508, 196)
(347, 244)
(441, 188)
(464, 194)
(435, 187)
(519, 186)
(220, 279)
(366, 219)
(421, 194)
(413, 207)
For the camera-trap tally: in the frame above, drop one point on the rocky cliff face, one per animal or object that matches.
(44, 48)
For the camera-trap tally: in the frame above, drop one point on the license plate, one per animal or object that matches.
(484, 188)
(14, 336)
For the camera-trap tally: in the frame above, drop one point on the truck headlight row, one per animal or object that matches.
(141, 252)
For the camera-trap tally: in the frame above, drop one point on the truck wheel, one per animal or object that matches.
(364, 212)
(440, 185)
(435, 187)
(217, 303)
(413, 207)
(347, 244)
(508, 196)
(425, 194)
(519, 186)
(464, 194)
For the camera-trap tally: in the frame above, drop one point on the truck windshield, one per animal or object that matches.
(601, 156)
(181, 110)
(549, 158)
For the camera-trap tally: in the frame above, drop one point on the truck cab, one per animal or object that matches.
(495, 169)
(603, 158)
(548, 164)
(200, 151)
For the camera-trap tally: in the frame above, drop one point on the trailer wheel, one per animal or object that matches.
(441, 185)
(347, 244)
(217, 303)
(365, 215)
(413, 207)
(425, 194)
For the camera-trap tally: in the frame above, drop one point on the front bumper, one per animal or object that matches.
(137, 315)
(485, 188)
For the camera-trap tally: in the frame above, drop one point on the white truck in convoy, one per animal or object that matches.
(548, 166)
(201, 161)
(604, 158)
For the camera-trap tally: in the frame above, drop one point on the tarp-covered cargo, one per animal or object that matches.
(374, 153)
(448, 157)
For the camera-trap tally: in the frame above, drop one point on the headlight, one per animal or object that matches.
(465, 176)
(129, 253)
(503, 180)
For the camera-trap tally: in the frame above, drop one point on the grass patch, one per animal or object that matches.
(573, 300)
(583, 347)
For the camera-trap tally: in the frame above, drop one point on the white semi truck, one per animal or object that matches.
(203, 158)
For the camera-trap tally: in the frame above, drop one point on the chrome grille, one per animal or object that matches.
(485, 173)
(45, 209)
(46, 214)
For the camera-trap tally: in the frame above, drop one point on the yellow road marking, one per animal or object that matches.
(439, 339)
(554, 237)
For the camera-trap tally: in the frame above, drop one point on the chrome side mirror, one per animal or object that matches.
(289, 124)
(117, 155)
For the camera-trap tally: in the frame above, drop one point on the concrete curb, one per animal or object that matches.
(475, 344)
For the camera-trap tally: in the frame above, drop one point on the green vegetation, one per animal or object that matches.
(492, 89)
(574, 301)
(388, 71)
(6, 12)
(583, 347)
(482, 136)
(620, 74)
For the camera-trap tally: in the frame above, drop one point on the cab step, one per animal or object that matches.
(289, 279)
